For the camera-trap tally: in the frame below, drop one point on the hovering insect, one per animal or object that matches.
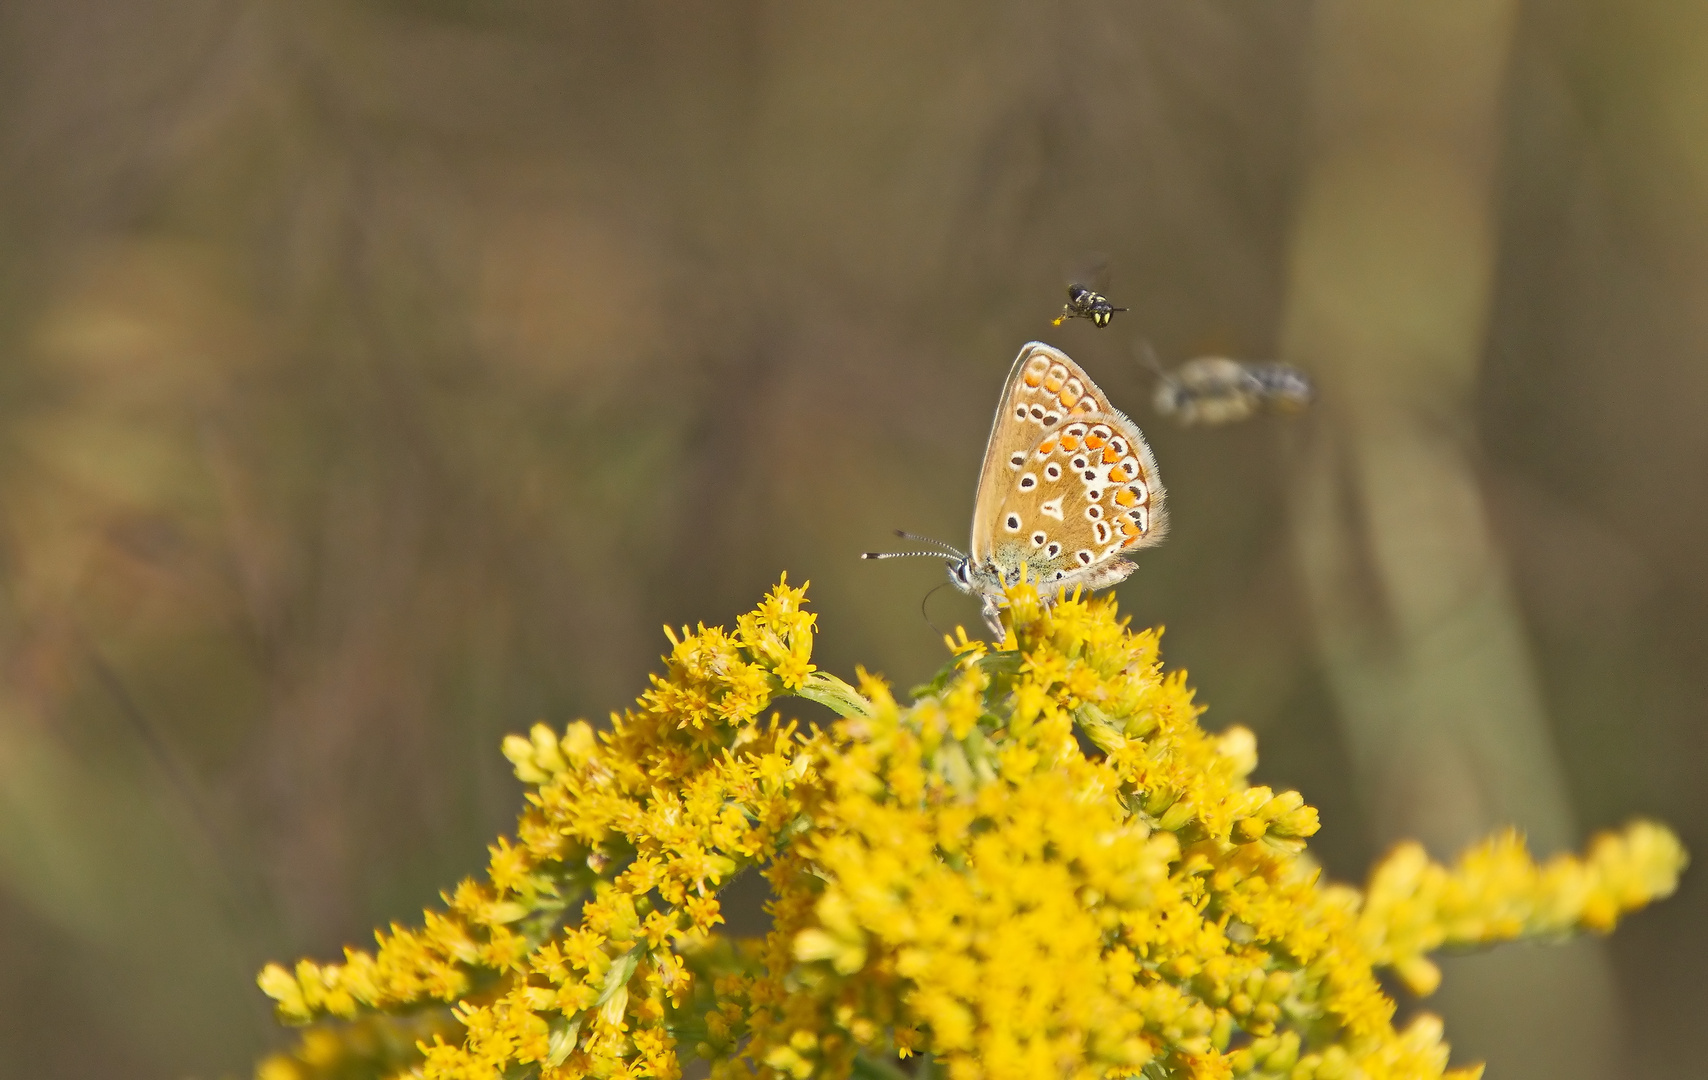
(1217, 390)
(1087, 278)
(1085, 303)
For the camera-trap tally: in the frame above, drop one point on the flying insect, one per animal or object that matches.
(1086, 303)
(1214, 390)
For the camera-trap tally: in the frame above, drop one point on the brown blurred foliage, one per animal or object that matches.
(375, 378)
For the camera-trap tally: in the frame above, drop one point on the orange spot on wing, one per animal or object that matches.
(1069, 444)
(1118, 475)
(1032, 379)
(1130, 531)
(1110, 457)
(1125, 497)
(1085, 407)
(1052, 384)
(1092, 442)
(1047, 447)
(1068, 398)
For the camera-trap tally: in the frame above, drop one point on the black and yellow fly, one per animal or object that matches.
(1086, 303)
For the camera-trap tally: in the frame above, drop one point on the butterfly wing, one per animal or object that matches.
(1045, 389)
(1086, 495)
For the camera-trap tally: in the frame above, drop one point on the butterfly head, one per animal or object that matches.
(989, 583)
(983, 580)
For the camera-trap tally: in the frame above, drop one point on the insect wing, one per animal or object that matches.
(1044, 392)
(1089, 271)
(1085, 495)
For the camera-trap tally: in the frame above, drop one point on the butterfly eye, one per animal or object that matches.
(1052, 471)
(1084, 556)
(1038, 539)
(1012, 522)
(1053, 550)
(1028, 482)
(1017, 459)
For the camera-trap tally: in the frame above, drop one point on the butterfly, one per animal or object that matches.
(1068, 489)
(1216, 390)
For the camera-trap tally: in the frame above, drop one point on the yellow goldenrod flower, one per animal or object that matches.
(954, 877)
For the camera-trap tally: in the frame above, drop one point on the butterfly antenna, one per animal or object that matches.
(947, 549)
(900, 554)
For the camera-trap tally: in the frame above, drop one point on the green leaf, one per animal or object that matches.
(835, 695)
(617, 976)
(564, 1032)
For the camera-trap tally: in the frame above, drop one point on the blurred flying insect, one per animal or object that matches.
(1217, 390)
(1086, 282)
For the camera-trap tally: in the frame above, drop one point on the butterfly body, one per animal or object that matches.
(1086, 303)
(1069, 487)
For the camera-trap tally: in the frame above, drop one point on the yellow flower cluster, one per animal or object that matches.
(640, 826)
(1043, 866)
(1496, 893)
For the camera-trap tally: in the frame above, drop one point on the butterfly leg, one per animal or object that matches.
(993, 619)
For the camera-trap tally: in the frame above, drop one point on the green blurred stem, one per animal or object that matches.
(1420, 638)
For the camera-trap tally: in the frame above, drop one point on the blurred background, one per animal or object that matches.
(376, 378)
